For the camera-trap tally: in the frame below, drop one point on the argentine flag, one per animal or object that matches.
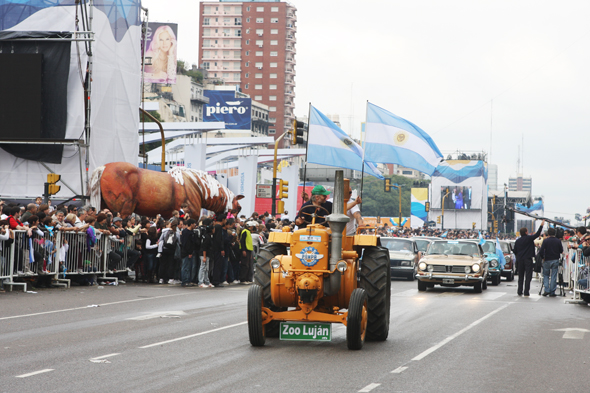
(391, 139)
(481, 239)
(500, 254)
(328, 145)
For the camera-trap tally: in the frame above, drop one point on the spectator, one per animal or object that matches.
(206, 236)
(246, 250)
(524, 250)
(150, 251)
(218, 250)
(550, 251)
(31, 210)
(188, 245)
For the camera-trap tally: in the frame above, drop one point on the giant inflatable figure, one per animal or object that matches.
(124, 188)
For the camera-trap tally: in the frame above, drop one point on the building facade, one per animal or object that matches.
(520, 183)
(251, 44)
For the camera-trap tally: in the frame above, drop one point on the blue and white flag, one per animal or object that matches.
(328, 145)
(500, 254)
(445, 234)
(391, 139)
(481, 239)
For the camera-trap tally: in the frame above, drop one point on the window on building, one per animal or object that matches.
(259, 9)
(247, 20)
(273, 76)
(236, 77)
(259, 20)
(226, 21)
(257, 98)
(274, 42)
(273, 65)
(206, 43)
(274, 9)
(238, 21)
(226, 32)
(206, 54)
(205, 65)
(258, 87)
(274, 54)
(247, 64)
(225, 75)
(247, 86)
(259, 53)
(259, 31)
(271, 131)
(238, 32)
(225, 54)
(248, 9)
(206, 21)
(274, 31)
(237, 44)
(272, 87)
(236, 54)
(274, 20)
(407, 172)
(272, 109)
(258, 76)
(247, 53)
(259, 43)
(258, 65)
(272, 120)
(247, 31)
(206, 32)
(272, 98)
(247, 75)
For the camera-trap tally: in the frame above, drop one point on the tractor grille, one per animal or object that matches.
(448, 269)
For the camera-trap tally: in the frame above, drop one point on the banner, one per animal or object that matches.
(162, 50)
(224, 106)
(418, 207)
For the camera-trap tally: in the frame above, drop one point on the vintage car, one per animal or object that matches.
(403, 256)
(424, 241)
(453, 263)
(495, 270)
(510, 267)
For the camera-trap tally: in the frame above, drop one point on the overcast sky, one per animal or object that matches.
(440, 64)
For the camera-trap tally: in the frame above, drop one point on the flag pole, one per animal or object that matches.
(363, 140)
(306, 146)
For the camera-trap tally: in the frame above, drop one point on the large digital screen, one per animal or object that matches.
(457, 197)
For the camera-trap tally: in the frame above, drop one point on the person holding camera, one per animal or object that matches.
(550, 251)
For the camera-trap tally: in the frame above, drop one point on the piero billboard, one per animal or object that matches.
(224, 106)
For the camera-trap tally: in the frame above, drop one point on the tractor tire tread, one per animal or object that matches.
(375, 279)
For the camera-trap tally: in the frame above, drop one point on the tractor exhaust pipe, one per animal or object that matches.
(337, 221)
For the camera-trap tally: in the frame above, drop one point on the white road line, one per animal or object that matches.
(35, 373)
(460, 332)
(489, 295)
(86, 307)
(369, 387)
(399, 370)
(194, 335)
(110, 355)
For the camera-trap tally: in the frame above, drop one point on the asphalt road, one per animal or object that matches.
(152, 338)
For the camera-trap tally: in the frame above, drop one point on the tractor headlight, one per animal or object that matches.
(430, 268)
(422, 266)
(493, 263)
(275, 263)
(475, 268)
(467, 270)
(342, 266)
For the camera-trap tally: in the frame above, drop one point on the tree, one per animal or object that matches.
(145, 119)
(196, 75)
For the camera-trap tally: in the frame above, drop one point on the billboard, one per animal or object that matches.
(160, 56)
(224, 106)
(418, 207)
(466, 184)
(457, 197)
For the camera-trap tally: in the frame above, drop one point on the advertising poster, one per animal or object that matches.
(160, 56)
(224, 106)
(418, 207)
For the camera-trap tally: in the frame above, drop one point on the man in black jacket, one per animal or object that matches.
(218, 250)
(524, 250)
(187, 251)
(550, 251)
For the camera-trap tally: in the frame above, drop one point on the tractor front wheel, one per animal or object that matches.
(262, 278)
(375, 279)
(356, 325)
(255, 326)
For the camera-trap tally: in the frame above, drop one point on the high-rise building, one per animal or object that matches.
(520, 183)
(251, 44)
(493, 177)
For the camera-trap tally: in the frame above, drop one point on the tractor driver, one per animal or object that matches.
(319, 194)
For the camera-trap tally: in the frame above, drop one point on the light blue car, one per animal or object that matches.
(494, 267)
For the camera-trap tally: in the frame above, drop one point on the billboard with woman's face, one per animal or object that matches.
(161, 53)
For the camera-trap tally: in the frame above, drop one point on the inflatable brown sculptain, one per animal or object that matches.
(124, 188)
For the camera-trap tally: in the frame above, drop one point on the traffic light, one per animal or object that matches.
(280, 207)
(388, 185)
(495, 225)
(283, 189)
(427, 206)
(298, 131)
(53, 188)
(438, 219)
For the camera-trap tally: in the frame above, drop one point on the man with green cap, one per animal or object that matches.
(317, 205)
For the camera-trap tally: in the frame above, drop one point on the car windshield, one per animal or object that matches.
(505, 248)
(453, 247)
(402, 245)
(489, 246)
(422, 244)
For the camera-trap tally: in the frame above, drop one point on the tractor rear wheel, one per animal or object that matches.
(255, 326)
(375, 279)
(262, 278)
(356, 325)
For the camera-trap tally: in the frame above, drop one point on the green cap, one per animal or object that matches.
(320, 190)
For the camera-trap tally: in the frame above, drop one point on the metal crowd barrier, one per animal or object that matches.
(581, 268)
(61, 254)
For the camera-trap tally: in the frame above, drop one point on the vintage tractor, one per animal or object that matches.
(326, 277)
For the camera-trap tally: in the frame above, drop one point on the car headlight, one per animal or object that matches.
(494, 263)
(275, 263)
(467, 269)
(422, 266)
(430, 268)
(405, 263)
(475, 268)
(342, 266)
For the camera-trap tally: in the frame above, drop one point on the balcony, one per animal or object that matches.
(290, 93)
(290, 37)
(292, 15)
(199, 98)
(290, 82)
(289, 104)
(291, 26)
(290, 48)
(289, 71)
(290, 60)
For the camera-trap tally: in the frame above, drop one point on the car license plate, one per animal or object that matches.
(306, 331)
(448, 280)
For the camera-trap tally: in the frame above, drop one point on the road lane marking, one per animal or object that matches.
(194, 335)
(159, 314)
(110, 355)
(35, 373)
(573, 333)
(399, 370)
(86, 307)
(460, 332)
(369, 387)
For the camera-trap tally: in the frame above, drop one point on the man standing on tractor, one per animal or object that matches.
(317, 205)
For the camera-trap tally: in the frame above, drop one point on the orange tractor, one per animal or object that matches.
(325, 278)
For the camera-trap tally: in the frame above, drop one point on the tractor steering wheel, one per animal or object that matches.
(314, 214)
